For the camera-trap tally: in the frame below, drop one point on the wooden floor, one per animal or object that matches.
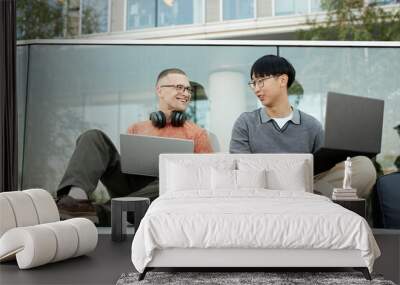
(102, 266)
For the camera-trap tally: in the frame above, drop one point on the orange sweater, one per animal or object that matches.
(189, 130)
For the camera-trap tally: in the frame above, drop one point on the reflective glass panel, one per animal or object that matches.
(140, 14)
(75, 88)
(179, 12)
(94, 16)
(238, 9)
(289, 7)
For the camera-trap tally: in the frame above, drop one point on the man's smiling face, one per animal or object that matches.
(170, 96)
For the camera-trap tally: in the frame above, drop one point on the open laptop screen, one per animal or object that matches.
(353, 126)
(139, 154)
(353, 123)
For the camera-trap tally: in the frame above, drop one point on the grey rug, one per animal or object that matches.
(228, 278)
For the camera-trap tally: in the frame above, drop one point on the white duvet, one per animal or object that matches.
(252, 218)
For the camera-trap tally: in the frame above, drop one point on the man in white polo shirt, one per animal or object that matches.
(277, 127)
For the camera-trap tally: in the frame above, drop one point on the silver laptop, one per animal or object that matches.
(139, 154)
(353, 126)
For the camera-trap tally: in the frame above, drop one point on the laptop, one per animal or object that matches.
(353, 126)
(139, 153)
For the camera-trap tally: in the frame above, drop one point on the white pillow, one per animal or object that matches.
(223, 179)
(251, 178)
(184, 177)
(293, 180)
(189, 174)
(281, 175)
(236, 179)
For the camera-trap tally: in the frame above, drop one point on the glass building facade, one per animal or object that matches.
(74, 18)
(65, 89)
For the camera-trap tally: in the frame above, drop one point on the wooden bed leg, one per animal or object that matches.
(142, 275)
(364, 271)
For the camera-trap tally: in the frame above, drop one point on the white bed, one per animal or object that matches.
(241, 210)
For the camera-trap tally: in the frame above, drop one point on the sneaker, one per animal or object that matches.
(73, 208)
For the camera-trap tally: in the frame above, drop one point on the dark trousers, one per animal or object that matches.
(95, 159)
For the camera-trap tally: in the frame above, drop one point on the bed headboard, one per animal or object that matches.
(306, 160)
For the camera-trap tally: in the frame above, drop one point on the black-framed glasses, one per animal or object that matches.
(260, 81)
(180, 88)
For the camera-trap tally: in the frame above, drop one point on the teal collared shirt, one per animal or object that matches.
(256, 132)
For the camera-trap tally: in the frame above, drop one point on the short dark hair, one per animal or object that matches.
(165, 72)
(273, 65)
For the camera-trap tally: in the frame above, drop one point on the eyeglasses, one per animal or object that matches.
(260, 82)
(181, 88)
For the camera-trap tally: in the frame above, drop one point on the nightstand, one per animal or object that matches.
(358, 206)
(119, 208)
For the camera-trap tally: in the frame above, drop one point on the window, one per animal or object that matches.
(41, 20)
(238, 9)
(297, 7)
(179, 12)
(384, 2)
(94, 17)
(159, 13)
(316, 6)
(140, 14)
(290, 7)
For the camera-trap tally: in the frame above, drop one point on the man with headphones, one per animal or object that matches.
(96, 158)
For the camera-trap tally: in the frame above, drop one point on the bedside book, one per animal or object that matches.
(349, 198)
(341, 190)
(344, 194)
